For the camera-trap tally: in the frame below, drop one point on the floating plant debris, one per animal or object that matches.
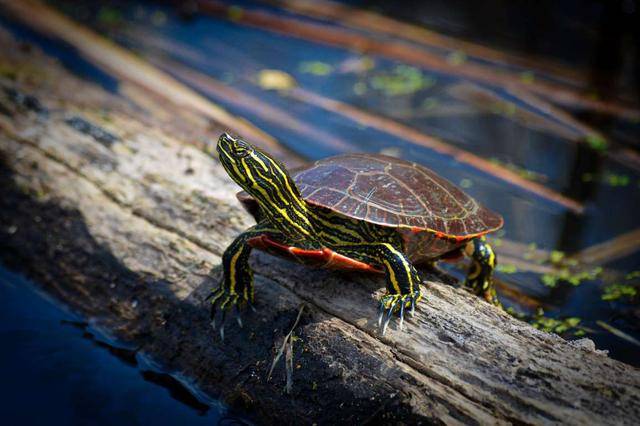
(559, 326)
(632, 275)
(596, 142)
(566, 327)
(520, 171)
(527, 77)
(402, 80)
(619, 291)
(275, 80)
(573, 278)
(506, 268)
(466, 183)
(316, 68)
(610, 179)
(457, 57)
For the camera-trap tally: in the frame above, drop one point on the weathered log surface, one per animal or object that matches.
(126, 223)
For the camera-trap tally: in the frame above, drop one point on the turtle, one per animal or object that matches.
(356, 212)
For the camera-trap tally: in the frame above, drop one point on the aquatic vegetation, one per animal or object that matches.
(559, 326)
(466, 183)
(316, 68)
(109, 16)
(566, 272)
(573, 278)
(632, 275)
(520, 171)
(567, 326)
(618, 291)
(610, 179)
(360, 88)
(506, 268)
(596, 142)
(402, 80)
(505, 108)
(275, 80)
(530, 251)
(457, 57)
(357, 65)
(429, 103)
(527, 77)
(158, 18)
(235, 13)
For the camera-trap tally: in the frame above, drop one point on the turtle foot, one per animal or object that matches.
(392, 303)
(225, 302)
(482, 287)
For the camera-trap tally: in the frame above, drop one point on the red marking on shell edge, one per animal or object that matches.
(325, 257)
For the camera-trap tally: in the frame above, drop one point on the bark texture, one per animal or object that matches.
(125, 221)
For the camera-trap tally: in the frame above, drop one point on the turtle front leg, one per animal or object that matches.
(480, 275)
(236, 287)
(403, 281)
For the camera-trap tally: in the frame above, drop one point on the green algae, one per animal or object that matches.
(596, 142)
(506, 268)
(316, 68)
(619, 291)
(566, 275)
(402, 80)
(570, 326)
(520, 171)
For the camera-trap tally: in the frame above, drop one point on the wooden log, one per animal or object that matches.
(130, 69)
(126, 224)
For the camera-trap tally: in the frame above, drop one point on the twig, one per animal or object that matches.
(287, 344)
(619, 333)
(610, 250)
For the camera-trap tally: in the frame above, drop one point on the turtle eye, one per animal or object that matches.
(242, 152)
(242, 149)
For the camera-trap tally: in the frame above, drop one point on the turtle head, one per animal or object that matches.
(238, 158)
(268, 182)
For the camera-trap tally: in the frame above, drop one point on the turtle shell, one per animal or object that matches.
(393, 192)
(433, 215)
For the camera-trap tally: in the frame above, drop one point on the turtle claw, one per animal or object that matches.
(381, 310)
(223, 301)
(391, 303)
(239, 320)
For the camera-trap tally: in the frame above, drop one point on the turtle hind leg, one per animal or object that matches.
(480, 274)
(403, 281)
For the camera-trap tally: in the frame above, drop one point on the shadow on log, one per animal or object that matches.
(128, 230)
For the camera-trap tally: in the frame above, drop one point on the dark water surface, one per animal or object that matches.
(489, 121)
(56, 369)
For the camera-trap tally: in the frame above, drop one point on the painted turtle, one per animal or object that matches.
(357, 212)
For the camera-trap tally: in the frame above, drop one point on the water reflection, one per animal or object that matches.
(54, 366)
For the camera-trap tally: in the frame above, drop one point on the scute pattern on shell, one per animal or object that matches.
(394, 192)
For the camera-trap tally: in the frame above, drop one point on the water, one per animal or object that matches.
(54, 366)
(489, 120)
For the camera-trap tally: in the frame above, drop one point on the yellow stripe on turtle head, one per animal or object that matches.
(268, 182)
